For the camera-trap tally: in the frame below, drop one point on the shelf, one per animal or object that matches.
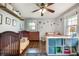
(58, 54)
(61, 46)
(52, 50)
(10, 11)
(59, 50)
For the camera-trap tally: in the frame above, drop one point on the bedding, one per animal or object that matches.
(24, 42)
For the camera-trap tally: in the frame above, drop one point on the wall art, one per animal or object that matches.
(8, 21)
(0, 18)
(14, 22)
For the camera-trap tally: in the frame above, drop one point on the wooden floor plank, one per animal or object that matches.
(39, 45)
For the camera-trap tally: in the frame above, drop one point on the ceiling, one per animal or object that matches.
(27, 8)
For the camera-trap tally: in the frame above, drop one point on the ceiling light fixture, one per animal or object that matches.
(43, 8)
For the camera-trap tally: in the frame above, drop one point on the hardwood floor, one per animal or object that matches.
(38, 47)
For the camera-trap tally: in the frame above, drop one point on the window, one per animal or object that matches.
(31, 25)
(72, 25)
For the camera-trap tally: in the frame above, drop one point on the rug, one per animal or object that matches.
(34, 52)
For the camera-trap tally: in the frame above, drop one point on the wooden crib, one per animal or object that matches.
(10, 43)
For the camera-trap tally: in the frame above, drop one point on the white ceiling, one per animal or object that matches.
(27, 8)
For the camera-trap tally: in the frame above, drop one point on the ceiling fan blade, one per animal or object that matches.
(50, 10)
(50, 4)
(36, 10)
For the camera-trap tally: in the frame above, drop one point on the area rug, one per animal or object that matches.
(34, 52)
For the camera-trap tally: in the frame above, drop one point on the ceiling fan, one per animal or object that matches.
(42, 7)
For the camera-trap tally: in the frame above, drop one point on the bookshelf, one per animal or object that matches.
(61, 45)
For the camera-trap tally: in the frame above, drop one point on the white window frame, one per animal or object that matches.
(71, 21)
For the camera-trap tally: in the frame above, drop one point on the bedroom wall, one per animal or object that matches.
(44, 25)
(60, 22)
(5, 27)
(72, 11)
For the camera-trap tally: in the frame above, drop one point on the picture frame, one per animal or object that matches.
(21, 26)
(0, 18)
(14, 22)
(8, 21)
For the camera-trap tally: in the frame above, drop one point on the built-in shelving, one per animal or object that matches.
(10, 11)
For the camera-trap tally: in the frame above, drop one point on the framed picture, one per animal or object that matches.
(8, 21)
(21, 26)
(0, 18)
(14, 22)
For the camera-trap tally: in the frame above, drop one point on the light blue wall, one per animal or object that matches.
(6, 27)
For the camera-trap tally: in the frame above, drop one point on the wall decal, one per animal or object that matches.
(61, 19)
(47, 21)
(44, 23)
(0, 18)
(53, 23)
(76, 12)
(39, 22)
(8, 21)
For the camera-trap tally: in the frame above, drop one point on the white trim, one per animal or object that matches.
(60, 37)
